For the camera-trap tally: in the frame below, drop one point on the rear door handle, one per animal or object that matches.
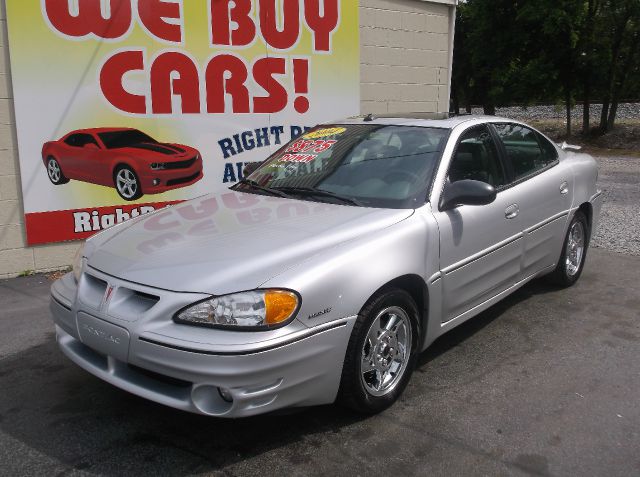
(512, 211)
(564, 188)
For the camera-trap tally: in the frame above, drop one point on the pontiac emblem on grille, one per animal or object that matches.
(107, 295)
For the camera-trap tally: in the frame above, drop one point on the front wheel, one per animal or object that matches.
(54, 171)
(574, 252)
(127, 183)
(381, 353)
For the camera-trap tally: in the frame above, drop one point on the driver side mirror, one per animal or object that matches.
(467, 192)
(250, 168)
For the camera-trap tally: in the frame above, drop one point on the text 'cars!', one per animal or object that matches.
(325, 272)
(127, 159)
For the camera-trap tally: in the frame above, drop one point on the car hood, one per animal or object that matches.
(229, 242)
(162, 150)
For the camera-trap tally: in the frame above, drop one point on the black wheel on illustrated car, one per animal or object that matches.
(574, 252)
(382, 352)
(127, 183)
(54, 171)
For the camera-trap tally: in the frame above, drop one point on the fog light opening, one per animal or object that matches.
(225, 394)
(209, 399)
(156, 182)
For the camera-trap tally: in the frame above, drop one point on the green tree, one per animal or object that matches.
(525, 51)
(483, 67)
(554, 29)
(587, 57)
(617, 49)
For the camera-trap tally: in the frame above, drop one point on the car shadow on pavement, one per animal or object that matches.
(472, 326)
(75, 421)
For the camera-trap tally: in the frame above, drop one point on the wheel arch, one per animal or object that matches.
(49, 154)
(121, 163)
(587, 209)
(46, 152)
(415, 286)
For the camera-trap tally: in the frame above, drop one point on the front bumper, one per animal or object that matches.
(286, 368)
(162, 180)
(169, 180)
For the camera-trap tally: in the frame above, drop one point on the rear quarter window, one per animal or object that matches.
(527, 151)
(73, 140)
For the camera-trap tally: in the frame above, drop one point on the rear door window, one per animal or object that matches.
(524, 149)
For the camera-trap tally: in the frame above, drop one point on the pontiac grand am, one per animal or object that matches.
(327, 271)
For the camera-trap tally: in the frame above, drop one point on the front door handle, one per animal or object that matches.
(564, 188)
(512, 211)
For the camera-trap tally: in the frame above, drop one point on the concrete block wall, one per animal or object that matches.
(15, 257)
(405, 55)
(405, 59)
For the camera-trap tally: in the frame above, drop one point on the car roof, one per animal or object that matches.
(427, 120)
(100, 130)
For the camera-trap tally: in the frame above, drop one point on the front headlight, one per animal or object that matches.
(77, 263)
(252, 309)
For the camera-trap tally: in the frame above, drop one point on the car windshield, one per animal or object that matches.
(125, 138)
(367, 165)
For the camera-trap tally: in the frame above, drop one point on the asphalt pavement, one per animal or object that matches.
(547, 382)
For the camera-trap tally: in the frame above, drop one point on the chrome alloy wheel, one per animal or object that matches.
(127, 183)
(53, 169)
(575, 248)
(386, 351)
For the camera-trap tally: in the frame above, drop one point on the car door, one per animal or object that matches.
(98, 161)
(70, 155)
(87, 157)
(480, 246)
(543, 193)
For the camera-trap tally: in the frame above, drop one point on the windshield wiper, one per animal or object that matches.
(254, 185)
(310, 191)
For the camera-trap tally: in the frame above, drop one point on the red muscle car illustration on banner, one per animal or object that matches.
(127, 159)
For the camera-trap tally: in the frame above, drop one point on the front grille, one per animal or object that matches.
(182, 180)
(179, 164)
(123, 302)
(129, 305)
(92, 290)
(161, 377)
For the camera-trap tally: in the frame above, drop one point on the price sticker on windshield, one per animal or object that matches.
(320, 133)
(304, 158)
(310, 146)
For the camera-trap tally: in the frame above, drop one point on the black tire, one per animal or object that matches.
(569, 267)
(355, 386)
(127, 183)
(54, 172)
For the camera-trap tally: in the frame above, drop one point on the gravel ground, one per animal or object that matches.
(619, 229)
(625, 111)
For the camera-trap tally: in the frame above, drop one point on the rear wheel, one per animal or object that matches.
(381, 353)
(574, 252)
(127, 183)
(54, 171)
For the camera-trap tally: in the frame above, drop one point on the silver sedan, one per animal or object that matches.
(325, 272)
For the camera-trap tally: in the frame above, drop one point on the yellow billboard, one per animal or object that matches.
(124, 106)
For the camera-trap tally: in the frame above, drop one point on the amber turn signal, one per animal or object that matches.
(280, 306)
